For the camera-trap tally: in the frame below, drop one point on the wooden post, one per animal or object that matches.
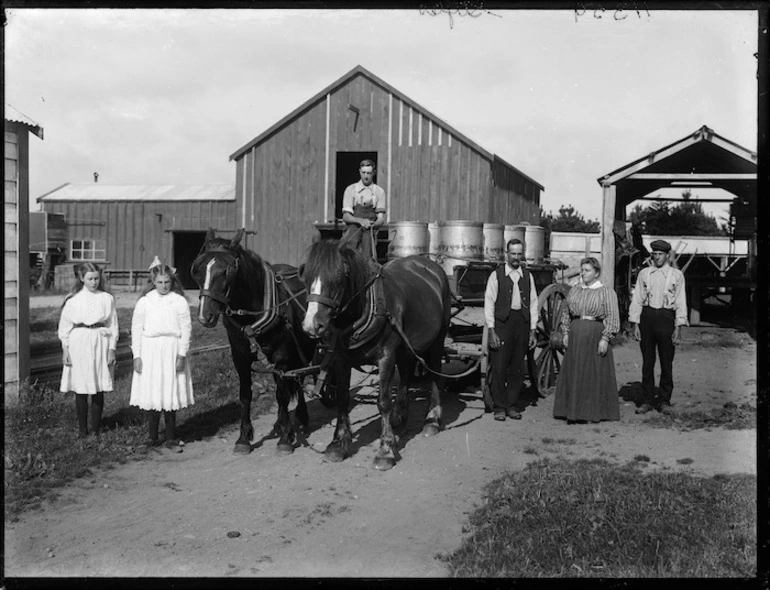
(695, 297)
(608, 238)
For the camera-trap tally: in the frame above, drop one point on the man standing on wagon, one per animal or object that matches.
(508, 300)
(658, 310)
(363, 210)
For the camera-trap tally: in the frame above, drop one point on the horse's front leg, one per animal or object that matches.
(243, 367)
(283, 425)
(339, 448)
(387, 455)
(432, 424)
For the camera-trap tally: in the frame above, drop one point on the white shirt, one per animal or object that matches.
(490, 296)
(659, 288)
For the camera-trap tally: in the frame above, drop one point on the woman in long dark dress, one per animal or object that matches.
(586, 389)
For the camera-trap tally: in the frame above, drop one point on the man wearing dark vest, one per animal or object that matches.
(510, 314)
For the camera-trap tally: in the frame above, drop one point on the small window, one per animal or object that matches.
(87, 250)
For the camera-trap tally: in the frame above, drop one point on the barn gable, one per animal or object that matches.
(293, 174)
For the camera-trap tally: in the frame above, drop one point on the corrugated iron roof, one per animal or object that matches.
(14, 116)
(131, 192)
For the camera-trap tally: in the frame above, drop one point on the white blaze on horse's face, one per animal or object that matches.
(206, 286)
(312, 309)
(209, 266)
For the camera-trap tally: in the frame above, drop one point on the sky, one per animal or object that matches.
(165, 96)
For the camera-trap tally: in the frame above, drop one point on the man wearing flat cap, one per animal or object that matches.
(658, 310)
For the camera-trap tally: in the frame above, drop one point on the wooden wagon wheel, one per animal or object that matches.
(545, 361)
(486, 393)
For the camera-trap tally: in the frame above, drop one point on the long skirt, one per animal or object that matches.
(159, 386)
(89, 373)
(586, 388)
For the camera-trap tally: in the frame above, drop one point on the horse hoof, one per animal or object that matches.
(242, 449)
(384, 463)
(283, 450)
(334, 455)
(430, 429)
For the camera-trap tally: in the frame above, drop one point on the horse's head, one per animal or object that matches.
(215, 270)
(334, 276)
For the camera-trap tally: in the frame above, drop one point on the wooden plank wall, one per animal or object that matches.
(16, 260)
(11, 261)
(436, 176)
(135, 231)
(280, 194)
(514, 198)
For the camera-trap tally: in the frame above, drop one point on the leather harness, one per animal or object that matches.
(272, 315)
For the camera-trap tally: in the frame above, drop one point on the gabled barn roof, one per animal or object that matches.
(13, 116)
(704, 159)
(698, 152)
(361, 71)
(130, 192)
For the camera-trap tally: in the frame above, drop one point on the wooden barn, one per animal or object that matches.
(122, 227)
(294, 174)
(16, 255)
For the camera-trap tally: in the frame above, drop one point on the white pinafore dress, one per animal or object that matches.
(160, 330)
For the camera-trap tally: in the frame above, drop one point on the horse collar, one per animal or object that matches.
(269, 314)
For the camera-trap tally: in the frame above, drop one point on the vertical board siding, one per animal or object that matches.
(131, 230)
(289, 182)
(448, 203)
(11, 261)
(16, 259)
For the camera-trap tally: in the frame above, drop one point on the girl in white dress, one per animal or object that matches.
(88, 330)
(160, 340)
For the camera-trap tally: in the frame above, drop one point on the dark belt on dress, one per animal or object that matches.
(590, 318)
(96, 325)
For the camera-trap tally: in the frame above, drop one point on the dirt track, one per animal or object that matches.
(301, 516)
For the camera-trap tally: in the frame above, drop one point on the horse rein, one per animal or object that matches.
(336, 306)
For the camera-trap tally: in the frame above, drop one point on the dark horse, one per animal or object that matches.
(262, 306)
(384, 317)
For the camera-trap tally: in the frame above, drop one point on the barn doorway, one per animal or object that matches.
(347, 174)
(187, 245)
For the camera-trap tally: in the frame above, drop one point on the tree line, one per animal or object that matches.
(662, 218)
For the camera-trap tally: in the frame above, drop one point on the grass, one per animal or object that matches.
(43, 453)
(595, 519)
(730, 416)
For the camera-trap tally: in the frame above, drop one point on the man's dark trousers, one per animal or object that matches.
(657, 327)
(361, 239)
(508, 360)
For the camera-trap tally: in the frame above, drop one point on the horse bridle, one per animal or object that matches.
(230, 271)
(335, 305)
(332, 304)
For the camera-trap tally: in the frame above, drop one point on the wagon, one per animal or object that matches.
(467, 340)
